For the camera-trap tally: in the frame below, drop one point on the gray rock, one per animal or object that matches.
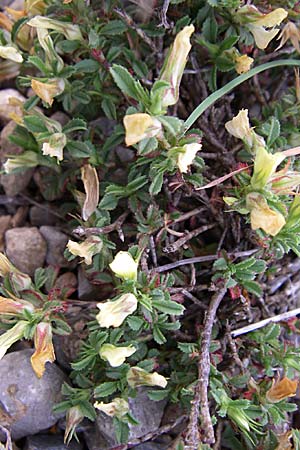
(50, 442)
(13, 184)
(86, 290)
(56, 245)
(60, 117)
(26, 402)
(148, 412)
(150, 446)
(5, 224)
(39, 217)
(26, 248)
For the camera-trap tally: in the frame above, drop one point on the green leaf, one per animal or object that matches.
(109, 108)
(158, 394)
(75, 125)
(171, 124)
(83, 363)
(34, 124)
(228, 43)
(168, 307)
(121, 430)
(106, 389)
(135, 323)
(87, 66)
(113, 27)
(158, 335)
(124, 81)
(147, 146)
(17, 27)
(87, 410)
(157, 182)
(253, 288)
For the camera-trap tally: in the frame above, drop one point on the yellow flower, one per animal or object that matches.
(262, 36)
(281, 389)
(47, 91)
(140, 126)
(187, 156)
(139, 377)
(113, 314)
(11, 336)
(70, 31)
(11, 307)
(239, 127)
(19, 280)
(11, 53)
(124, 266)
(265, 165)
(54, 147)
(86, 249)
(117, 408)
(243, 63)
(262, 216)
(292, 32)
(44, 350)
(116, 355)
(175, 63)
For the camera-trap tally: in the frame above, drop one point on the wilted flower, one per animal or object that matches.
(187, 156)
(113, 314)
(116, 355)
(47, 91)
(70, 31)
(20, 280)
(90, 181)
(243, 63)
(11, 307)
(86, 249)
(265, 165)
(11, 336)
(281, 389)
(117, 408)
(175, 63)
(262, 216)
(239, 127)
(140, 126)
(285, 441)
(54, 147)
(124, 266)
(290, 31)
(139, 377)
(44, 350)
(19, 162)
(73, 418)
(258, 27)
(11, 53)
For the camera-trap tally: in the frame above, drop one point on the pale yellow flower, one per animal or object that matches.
(116, 355)
(44, 350)
(139, 377)
(113, 314)
(187, 155)
(281, 389)
(27, 159)
(291, 32)
(258, 27)
(265, 165)
(86, 249)
(239, 127)
(55, 146)
(117, 408)
(11, 336)
(11, 53)
(124, 266)
(69, 30)
(173, 68)
(262, 216)
(243, 63)
(47, 91)
(140, 126)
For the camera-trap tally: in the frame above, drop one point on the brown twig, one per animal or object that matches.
(200, 402)
(199, 259)
(82, 231)
(164, 21)
(130, 23)
(180, 242)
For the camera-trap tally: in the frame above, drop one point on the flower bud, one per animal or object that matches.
(243, 63)
(44, 350)
(11, 53)
(19, 162)
(139, 377)
(281, 389)
(86, 249)
(55, 146)
(116, 355)
(187, 156)
(262, 216)
(265, 165)
(117, 408)
(47, 91)
(20, 280)
(70, 31)
(175, 63)
(11, 336)
(113, 314)
(124, 266)
(73, 418)
(140, 126)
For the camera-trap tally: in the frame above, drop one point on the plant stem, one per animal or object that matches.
(212, 98)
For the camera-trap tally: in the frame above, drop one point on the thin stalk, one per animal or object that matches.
(212, 98)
